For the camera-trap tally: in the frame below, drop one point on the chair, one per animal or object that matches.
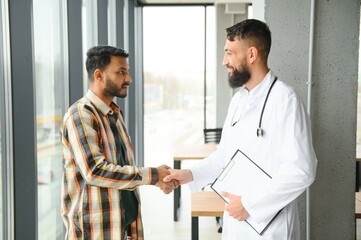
(212, 135)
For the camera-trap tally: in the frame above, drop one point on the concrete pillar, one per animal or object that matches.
(334, 101)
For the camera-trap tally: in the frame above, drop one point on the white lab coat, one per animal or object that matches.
(285, 151)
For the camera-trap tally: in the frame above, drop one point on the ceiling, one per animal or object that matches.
(176, 1)
(193, 1)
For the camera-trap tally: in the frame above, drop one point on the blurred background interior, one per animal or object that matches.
(179, 89)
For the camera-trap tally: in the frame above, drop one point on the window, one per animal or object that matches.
(51, 78)
(175, 69)
(211, 66)
(179, 59)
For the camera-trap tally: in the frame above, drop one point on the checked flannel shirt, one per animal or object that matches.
(93, 177)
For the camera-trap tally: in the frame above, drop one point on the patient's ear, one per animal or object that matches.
(98, 75)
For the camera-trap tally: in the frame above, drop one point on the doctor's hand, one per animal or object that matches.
(183, 176)
(235, 207)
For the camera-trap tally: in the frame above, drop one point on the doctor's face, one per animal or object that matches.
(236, 62)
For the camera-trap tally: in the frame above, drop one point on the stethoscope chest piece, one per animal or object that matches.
(259, 132)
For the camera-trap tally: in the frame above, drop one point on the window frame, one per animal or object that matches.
(6, 161)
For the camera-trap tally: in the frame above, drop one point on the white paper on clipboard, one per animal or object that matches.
(236, 178)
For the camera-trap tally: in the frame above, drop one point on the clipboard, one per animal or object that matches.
(235, 179)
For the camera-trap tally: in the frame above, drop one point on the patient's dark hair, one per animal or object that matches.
(98, 57)
(255, 32)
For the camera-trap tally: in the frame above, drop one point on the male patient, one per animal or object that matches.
(100, 197)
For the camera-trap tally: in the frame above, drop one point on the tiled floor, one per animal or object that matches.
(157, 210)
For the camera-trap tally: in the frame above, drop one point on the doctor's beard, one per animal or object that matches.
(239, 78)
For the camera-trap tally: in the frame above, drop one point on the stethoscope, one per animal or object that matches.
(259, 129)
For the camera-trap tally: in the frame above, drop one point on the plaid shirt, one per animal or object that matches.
(93, 177)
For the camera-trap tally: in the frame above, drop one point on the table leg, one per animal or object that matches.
(357, 176)
(195, 225)
(177, 194)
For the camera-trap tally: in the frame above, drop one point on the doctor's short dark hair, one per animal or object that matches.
(254, 31)
(98, 57)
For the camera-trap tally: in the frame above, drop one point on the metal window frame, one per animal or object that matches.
(139, 85)
(6, 126)
(112, 21)
(65, 56)
(102, 11)
(75, 50)
(23, 108)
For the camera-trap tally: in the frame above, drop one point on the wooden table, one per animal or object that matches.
(358, 205)
(188, 152)
(205, 204)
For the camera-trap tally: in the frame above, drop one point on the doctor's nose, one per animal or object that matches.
(225, 61)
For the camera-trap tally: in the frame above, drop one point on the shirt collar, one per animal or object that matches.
(261, 87)
(102, 106)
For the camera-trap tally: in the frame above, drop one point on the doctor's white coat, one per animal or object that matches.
(285, 152)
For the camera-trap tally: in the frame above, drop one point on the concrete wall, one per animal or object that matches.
(334, 100)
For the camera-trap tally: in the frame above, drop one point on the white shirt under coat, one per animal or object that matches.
(285, 152)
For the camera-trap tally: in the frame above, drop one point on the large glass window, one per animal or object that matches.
(173, 56)
(179, 94)
(211, 65)
(51, 78)
(176, 69)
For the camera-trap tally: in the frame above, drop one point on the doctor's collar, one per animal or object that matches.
(259, 89)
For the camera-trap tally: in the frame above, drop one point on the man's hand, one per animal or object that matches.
(183, 176)
(235, 207)
(166, 187)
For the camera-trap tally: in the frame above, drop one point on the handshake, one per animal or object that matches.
(169, 179)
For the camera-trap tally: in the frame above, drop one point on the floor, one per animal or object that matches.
(158, 218)
(157, 211)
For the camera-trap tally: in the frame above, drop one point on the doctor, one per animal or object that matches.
(268, 122)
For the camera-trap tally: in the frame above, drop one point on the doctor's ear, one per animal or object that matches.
(252, 54)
